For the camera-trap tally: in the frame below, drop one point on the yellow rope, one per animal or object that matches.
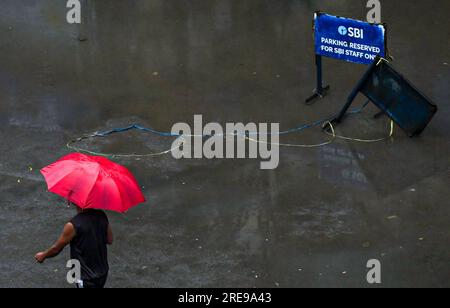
(300, 145)
(391, 133)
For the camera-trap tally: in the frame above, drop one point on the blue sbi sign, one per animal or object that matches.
(348, 39)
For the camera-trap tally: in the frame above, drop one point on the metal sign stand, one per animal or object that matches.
(355, 92)
(320, 91)
(340, 29)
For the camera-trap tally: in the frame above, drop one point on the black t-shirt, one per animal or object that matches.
(89, 246)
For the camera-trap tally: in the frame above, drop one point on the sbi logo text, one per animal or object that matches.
(351, 32)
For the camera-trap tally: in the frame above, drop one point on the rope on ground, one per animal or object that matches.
(300, 145)
(110, 155)
(324, 123)
(391, 133)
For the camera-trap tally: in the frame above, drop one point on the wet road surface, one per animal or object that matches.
(315, 221)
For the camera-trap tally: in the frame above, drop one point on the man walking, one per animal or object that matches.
(88, 234)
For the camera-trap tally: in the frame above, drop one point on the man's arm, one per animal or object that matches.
(110, 237)
(65, 238)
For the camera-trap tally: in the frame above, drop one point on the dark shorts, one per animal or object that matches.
(97, 283)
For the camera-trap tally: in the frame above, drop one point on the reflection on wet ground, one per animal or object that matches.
(314, 221)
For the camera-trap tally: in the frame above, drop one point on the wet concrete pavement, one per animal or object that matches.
(314, 221)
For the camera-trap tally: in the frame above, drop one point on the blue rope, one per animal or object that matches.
(137, 127)
(167, 134)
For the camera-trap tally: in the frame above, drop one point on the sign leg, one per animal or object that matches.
(320, 90)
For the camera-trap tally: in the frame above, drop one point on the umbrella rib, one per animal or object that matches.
(120, 194)
(93, 185)
(59, 181)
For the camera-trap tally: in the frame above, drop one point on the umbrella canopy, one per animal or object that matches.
(93, 182)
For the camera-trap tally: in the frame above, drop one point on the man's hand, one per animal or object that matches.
(40, 257)
(65, 238)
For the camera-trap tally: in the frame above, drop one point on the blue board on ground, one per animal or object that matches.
(348, 39)
(398, 98)
(395, 96)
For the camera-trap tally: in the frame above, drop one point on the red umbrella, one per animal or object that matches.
(93, 182)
